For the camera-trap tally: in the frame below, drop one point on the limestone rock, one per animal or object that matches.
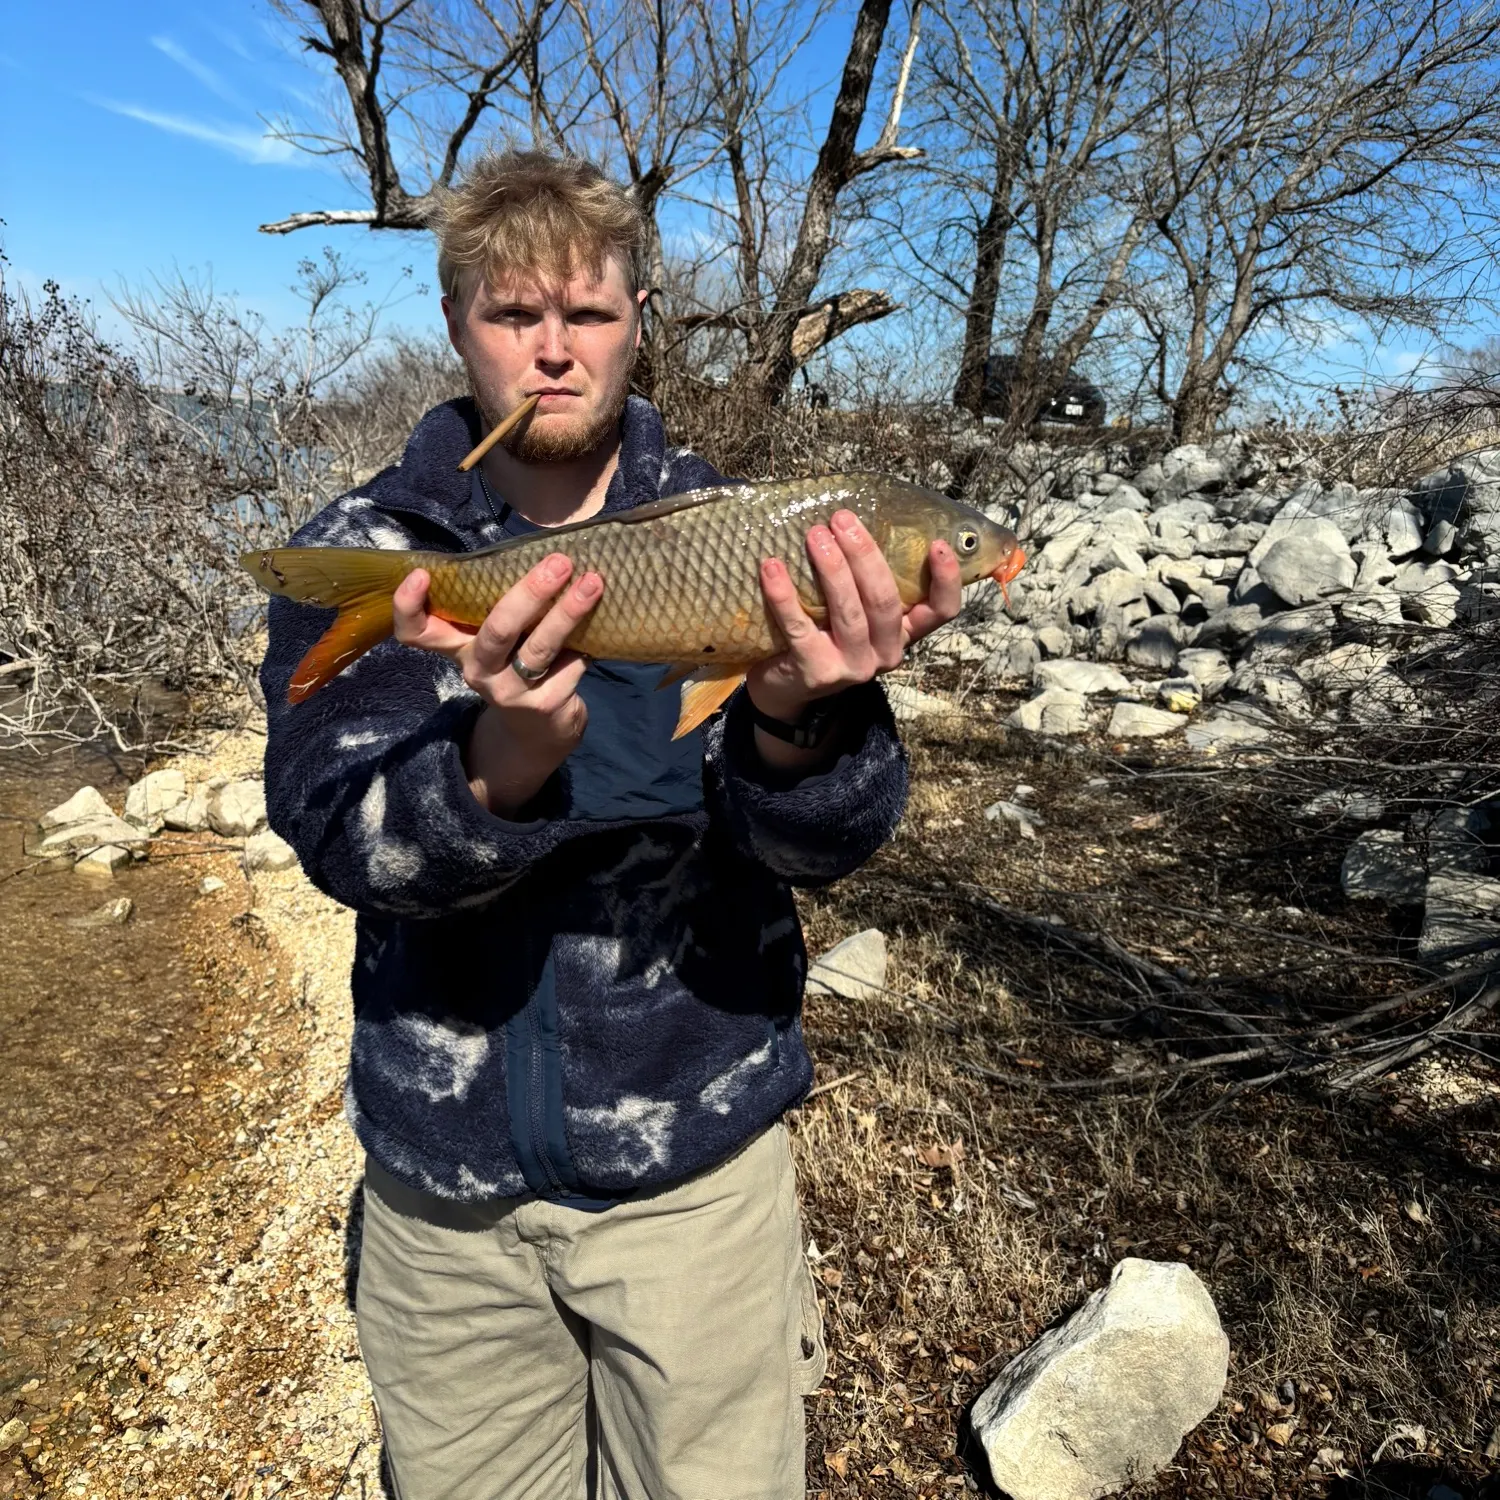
(1403, 528)
(104, 859)
(237, 809)
(1116, 587)
(1343, 806)
(1055, 711)
(209, 884)
(1305, 528)
(1374, 608)
(1104, 1400)
(1457, 840)
(853, 969)
(1230, 729)
(1154, 645)
(1302, 570)
(1229, 626)
(114, 913)
(909, 703)
(1081, 677)
(1462, 908)
(1137, 721)
(85, 805)
(268, 851)
(83, 824)
(1380, 866)
(1210, 669)
(148, 801)
(1014, 657)
(190, 816)
(1054, 640)
(1027, 820)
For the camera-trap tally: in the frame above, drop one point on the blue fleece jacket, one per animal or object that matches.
(607, 995)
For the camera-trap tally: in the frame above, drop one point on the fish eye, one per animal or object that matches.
(967, 541)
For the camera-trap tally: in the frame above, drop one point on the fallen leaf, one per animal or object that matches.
(838, 1462)
(1416, 1213)
(950, 1156)
(1366, 1273)
(831, 1276)
(1280, 1433)
(1143, 821)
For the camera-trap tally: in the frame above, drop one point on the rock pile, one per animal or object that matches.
(87, 830)
(1235, 592)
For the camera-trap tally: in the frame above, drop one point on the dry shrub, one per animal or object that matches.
(130, 481)
(113, 540)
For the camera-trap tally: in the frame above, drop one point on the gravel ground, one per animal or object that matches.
(1354, 1252)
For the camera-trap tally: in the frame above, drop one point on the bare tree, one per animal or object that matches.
(1329, 163)
(1044, 106)
(784, 325)
(411, 80)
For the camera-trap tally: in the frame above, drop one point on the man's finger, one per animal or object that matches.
(878, 593)
(943, 597)
(414, 626)
(545, 643)
(409, 606)
(517, 611)
(846, 613)
(781, 599)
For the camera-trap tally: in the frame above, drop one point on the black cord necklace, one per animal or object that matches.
(501, 516)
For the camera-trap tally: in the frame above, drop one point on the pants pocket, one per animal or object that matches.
(811, 1354)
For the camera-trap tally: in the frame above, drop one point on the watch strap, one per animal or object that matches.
(806, 732)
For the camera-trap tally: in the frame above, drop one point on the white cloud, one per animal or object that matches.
(1405, 361)
(199, 70)
(230, 40)
(251, 143)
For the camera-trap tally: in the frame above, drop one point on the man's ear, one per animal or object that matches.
(453, 317)
(640, 313)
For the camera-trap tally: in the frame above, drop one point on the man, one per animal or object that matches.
(578, 967)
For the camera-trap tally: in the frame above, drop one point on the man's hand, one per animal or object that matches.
(527, 729)
(868, 629)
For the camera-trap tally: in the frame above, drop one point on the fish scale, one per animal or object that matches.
(678, 584)
(681, 575)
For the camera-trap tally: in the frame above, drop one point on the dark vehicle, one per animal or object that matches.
(1078, 403)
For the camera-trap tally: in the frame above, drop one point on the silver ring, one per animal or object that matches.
(527, 674)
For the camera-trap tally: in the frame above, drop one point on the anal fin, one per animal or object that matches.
(359, 625)
(708, 691)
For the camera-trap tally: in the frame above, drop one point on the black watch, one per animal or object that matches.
(806, 732)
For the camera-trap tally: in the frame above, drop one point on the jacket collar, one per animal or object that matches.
(428, 482)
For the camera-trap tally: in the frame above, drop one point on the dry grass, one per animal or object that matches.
(1351, 1246)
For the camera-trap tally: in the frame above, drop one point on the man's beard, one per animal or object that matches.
(550, 441)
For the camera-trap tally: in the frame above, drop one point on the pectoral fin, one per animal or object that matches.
(708, 692)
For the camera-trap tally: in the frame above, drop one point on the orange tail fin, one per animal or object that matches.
(358, 581)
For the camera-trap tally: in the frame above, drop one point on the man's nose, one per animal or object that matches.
(552, 348)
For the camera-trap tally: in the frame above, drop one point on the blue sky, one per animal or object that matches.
(132, 141)
(136, 141)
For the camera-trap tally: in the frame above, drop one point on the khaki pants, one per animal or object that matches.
(659, 1350)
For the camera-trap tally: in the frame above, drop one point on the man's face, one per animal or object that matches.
(572, 344)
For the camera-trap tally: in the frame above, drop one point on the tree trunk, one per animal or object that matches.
(1196, 410)
(764, 380)
(989, 261)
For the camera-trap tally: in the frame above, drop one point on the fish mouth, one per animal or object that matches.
(1010, 565)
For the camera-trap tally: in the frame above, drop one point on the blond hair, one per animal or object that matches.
(533, 213)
